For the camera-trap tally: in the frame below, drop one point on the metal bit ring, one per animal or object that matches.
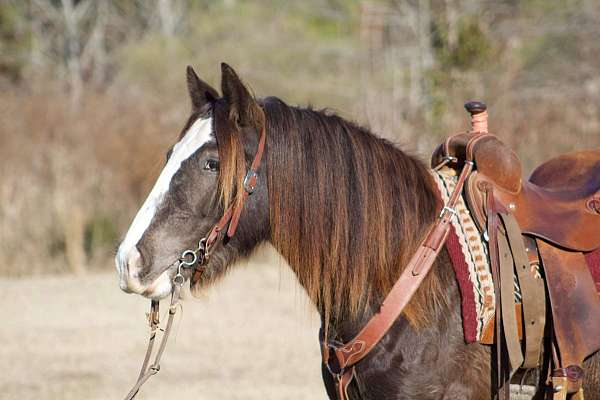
(188, 254)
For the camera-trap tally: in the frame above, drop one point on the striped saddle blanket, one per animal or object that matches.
(468, 251)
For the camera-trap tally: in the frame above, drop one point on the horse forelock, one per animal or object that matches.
(347, 210)
(232, 159)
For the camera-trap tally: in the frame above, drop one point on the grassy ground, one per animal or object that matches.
(253, 337)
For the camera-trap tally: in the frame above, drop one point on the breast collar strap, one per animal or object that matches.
(341, 358)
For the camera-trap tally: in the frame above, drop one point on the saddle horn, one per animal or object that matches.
(479, 116)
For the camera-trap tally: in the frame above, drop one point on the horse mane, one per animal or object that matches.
(347, 210)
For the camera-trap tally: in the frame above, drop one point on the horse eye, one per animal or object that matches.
(211, 165)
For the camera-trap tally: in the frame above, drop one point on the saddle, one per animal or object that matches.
(547, 222)
(539, 233)
(565, 189)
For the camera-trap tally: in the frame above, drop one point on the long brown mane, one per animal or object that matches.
(347, 209)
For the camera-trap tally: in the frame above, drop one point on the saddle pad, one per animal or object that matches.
(468, 253)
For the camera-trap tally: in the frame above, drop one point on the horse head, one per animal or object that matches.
(202, 179)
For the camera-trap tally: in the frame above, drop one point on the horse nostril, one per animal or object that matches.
(130, 265)
(134, 261)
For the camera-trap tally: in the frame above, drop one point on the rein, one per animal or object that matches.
(195, 260)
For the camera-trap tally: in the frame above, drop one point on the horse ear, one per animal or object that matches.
(201, 92)
(241, 103)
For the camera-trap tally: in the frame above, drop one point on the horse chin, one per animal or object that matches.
(161, 287)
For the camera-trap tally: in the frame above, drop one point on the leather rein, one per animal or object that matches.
(195, 260)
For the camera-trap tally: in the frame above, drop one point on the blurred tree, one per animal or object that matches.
(14, 40)
(404, 67)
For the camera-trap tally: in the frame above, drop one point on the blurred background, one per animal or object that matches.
(92, 93)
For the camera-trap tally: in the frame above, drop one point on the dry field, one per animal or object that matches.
(253, 337)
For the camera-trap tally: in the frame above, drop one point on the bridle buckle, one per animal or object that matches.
(447, 209)
(250, 181)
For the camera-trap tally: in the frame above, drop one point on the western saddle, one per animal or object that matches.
(539, 232)
(546, 224)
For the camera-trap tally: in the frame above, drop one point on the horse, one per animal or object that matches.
(345, 208)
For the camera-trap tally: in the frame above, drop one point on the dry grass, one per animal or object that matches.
(82, 338)
(72, 178)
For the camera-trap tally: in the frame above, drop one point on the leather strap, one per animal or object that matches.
(149, 370)
(507, 302)
(231, 216)
(492, 230)
(404, 288)
(343, 381)
(533, 296)
(348, 354)
(574, 377)
(250, 180)
(469, 147)
(559, 385)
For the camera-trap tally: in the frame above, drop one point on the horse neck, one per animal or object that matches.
(346, 211)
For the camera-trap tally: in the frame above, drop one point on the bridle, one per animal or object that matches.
(195, 260)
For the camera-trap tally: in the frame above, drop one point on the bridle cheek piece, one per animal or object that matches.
(195, 260)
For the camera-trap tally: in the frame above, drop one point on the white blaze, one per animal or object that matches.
(196, 136)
